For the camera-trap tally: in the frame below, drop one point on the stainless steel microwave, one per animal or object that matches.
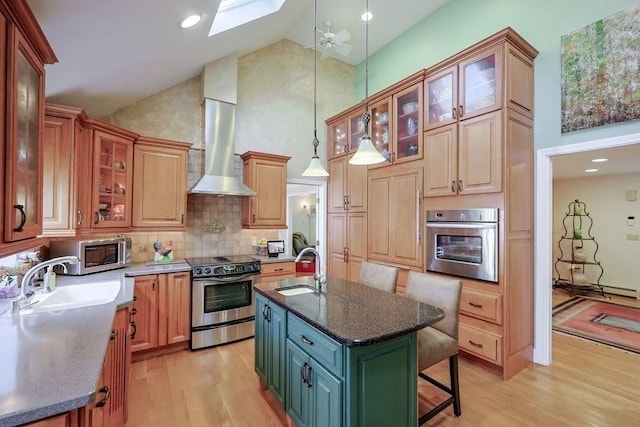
(95, 255)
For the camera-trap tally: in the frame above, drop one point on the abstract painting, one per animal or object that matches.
(600, 65)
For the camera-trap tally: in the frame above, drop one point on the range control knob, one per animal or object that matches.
(198, 271)
(207, 270)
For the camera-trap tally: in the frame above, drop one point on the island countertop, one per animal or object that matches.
(351, 313)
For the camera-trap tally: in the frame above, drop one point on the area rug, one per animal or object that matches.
(604, 322)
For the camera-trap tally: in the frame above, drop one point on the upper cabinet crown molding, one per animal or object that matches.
(22, 17)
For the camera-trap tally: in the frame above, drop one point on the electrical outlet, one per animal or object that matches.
(142, 249)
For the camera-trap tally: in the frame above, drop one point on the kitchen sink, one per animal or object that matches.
(295, 290)
(72, 296)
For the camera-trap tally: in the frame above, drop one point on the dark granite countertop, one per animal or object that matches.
(351, 313)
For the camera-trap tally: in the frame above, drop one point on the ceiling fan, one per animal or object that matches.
(333, 41)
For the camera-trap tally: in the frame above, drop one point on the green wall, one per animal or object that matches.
(461, 23)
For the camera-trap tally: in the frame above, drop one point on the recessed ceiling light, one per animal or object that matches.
(190, 21)
(599, 160)
(591, 170)
(367, 16)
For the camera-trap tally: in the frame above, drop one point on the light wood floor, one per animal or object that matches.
(587, 385)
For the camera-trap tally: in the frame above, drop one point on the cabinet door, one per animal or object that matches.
(355, 131)
(146, 313)
(277, 351)
(336, 245)
(356, 244)
(380, 227)
(480, 155)
(406, 218)
(337, 185)
(58, 204)
(441, 94)
(441, 161)
(113, 162)
(174, 306)
(160, 186)
(116, 373)
(23, 157)
(407, 124)
(337, 138)
(326, 396)
(84, 178)
(380, 129)
(356, 188)
(63, 420)
(261, 338)
(480, 88)
(298, 394)
(266, 174)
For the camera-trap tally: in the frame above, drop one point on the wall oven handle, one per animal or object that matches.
(225, 279)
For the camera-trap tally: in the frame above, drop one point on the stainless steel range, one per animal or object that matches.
(222, 299)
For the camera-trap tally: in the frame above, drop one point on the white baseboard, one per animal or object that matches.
(621, 291)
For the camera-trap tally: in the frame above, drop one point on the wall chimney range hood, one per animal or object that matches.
(219, 171)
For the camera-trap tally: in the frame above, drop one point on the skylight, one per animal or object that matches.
(233, 13)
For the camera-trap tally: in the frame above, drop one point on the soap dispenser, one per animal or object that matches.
(49, 279)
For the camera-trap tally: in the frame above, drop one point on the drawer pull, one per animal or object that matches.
(306, 340)
(475, 305)
(475, 344)
(107, 395)
(278, 269)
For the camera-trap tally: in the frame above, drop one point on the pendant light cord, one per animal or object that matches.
(315, 73)
(366, 116)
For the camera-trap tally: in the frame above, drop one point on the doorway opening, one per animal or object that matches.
(307, 215)
(544, 235)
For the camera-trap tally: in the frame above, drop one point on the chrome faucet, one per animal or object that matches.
(25, 296)
(320, 279)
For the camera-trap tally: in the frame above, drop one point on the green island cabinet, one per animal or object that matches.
(270, 342)
(323, 382)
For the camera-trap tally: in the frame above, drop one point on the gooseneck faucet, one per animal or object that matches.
(320, 279)
(25, 295)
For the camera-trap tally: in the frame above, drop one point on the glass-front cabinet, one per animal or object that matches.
(25, 92)
(113, 161)
(337, 138)
(467, 89)
(380, 126)
(407, 124)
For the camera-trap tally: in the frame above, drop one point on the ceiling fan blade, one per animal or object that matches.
(342, 36)
(343, 49)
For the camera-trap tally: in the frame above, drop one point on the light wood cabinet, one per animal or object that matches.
(464, 158)
(161, 309)
(274, 271)
(266, 174)
(159, 184)
(63, 420)
(347, 187)
(62, 128)
(109, 407)
(346, 244)
(395, 216)
(23, 53)
(337, 141)
(487, 145)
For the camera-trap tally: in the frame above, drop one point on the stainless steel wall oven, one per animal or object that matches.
(463, 243)
(222, 299)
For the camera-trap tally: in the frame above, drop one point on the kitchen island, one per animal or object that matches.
(347, 356)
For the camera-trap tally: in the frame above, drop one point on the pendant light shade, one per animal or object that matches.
(315, 167)
(366, 153)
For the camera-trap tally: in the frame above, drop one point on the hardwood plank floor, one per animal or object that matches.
(588, 384)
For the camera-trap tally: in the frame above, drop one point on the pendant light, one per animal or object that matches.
(366, 153)
(315, 168)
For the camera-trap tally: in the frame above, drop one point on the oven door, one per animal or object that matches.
(222, 300)
(463, 249)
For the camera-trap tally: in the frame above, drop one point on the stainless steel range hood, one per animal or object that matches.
(219, 135)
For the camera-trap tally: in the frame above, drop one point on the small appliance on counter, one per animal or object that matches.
(95, 255)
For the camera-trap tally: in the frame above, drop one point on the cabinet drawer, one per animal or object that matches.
(482, 305)
(279, 268)
(315, 343)
(480, 343)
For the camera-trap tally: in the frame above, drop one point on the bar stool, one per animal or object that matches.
(440, 340)
(383, 277)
